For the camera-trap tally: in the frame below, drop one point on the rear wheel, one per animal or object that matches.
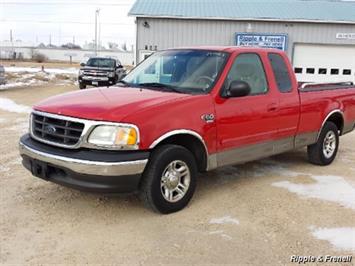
(169, 180)
(325, 150)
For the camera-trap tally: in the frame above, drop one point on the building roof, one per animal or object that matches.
(284, 10)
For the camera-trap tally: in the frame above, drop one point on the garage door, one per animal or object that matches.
(324, 63)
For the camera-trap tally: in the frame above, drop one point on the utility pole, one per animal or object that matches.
(73, 39)
(50, 40)
(99, 34)
(97, 11)
(12, 44)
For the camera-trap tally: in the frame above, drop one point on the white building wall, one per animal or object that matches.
(166, 33)
(126, 58)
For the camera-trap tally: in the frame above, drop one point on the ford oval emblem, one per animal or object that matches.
(49, 129)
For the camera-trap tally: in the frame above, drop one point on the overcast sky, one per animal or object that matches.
(35, 20)
(32, 20)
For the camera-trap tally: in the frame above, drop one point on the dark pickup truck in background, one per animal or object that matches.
(100, 71)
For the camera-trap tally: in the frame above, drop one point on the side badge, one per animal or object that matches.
(208, 118)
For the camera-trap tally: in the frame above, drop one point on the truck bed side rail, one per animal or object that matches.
(309, 86)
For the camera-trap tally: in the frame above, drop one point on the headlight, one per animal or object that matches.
(81, 72)
(115, 136)
(111, 74)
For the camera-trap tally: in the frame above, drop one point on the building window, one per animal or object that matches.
(281, 74)
(322, 71)
(346, 71)
(298, 70)
(334, 71)
(310, 70)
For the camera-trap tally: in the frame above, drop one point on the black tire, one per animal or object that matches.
(151, 189)
(316, 153)
(82, 86)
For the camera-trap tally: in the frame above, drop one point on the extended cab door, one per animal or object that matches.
(247, 126)
(284, 82)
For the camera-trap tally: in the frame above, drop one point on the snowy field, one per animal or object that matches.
(17, 77)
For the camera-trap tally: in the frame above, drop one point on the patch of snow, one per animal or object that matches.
(342, 238)
(21, 126)
(19, 84)
(25, 79)
(4, 168)
(328, 187)
(221, 234)
(256, 169)
(224, 220)
(10, 106)
(228, 237)
(71, 70)
(215, 232)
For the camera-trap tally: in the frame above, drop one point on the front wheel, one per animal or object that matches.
(325, 150)
(169, 180)
(82, 86)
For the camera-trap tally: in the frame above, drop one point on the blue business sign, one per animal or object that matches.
(278, 41)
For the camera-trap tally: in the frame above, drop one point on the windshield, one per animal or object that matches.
(187, 71)
(101, 62)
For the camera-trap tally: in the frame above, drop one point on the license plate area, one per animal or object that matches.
(39, 169)
(95, 83)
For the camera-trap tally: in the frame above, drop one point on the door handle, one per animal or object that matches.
(272, 107)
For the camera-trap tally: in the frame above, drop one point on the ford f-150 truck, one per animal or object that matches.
(182, 112)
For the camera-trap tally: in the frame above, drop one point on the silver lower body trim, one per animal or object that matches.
(260, 150)
(348, 127)
(85, 166)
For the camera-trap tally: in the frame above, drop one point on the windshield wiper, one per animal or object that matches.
(159, 85)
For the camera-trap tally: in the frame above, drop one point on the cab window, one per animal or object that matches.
(281, 74)
(248, 68)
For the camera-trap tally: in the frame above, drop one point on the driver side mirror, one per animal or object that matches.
(82, 64)
(119, 66)
(238, 88)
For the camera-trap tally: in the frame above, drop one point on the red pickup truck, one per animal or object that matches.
(181, 112)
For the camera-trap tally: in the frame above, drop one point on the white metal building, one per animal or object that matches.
(318, 35)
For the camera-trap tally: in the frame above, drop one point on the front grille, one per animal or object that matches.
(56, 130)
(95, 73)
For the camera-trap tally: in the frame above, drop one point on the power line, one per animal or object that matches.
(65, 3)
(67, 22)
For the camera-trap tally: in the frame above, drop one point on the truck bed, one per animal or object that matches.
(318, 100)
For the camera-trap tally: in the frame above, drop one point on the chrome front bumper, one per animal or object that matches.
(86, 167)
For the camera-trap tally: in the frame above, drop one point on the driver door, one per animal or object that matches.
(246, 125)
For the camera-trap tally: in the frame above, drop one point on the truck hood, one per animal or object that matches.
(105, 104)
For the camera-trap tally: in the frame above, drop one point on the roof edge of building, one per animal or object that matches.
(244, 19)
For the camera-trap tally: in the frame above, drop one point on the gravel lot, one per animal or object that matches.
(259, 213)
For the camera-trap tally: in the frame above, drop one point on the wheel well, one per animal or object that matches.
(193, 144)
(338, 120)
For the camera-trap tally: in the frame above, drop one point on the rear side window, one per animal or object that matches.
(280, 72)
